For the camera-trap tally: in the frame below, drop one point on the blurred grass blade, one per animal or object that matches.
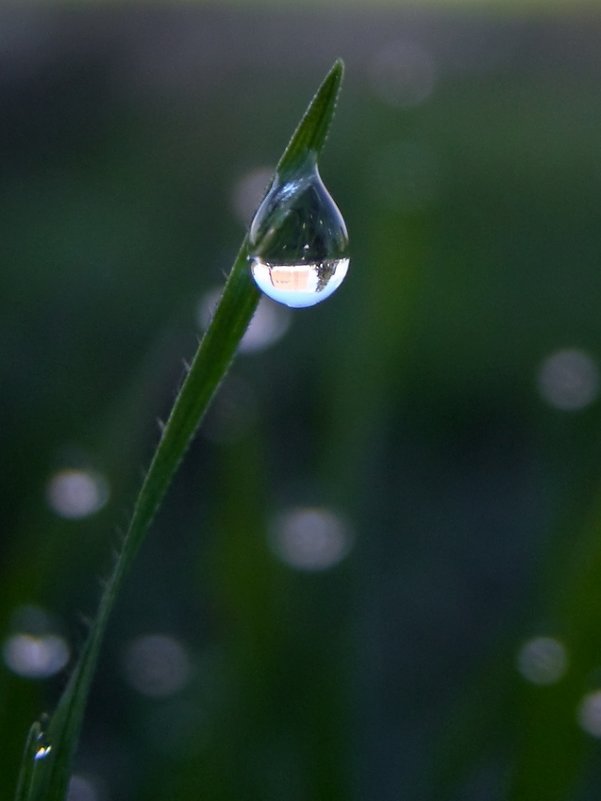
(46, 779)
(30, 763)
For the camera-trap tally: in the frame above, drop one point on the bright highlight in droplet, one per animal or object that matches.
(35, 656)
(589, 714)
(299, 285)
(75, 494)
(156, 665)
(569, 380)
(542, 660)
(310, 538)
(42, 752)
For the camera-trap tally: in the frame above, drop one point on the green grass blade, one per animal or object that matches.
(312, 131)
(46, 779)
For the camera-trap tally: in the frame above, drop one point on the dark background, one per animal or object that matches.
(440, 638)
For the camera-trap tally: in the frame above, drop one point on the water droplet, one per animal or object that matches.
(298, 240)
(42, 752)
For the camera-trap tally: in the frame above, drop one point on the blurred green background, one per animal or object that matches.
(378, 573)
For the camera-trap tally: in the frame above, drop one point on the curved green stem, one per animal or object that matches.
(45, 773)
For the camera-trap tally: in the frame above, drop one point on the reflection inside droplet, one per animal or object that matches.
(542, 660)
(298, 243)
(299, 285)
(310, 538)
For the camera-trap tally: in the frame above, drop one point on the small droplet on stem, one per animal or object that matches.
(42, 752)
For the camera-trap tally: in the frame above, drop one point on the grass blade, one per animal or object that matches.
(30, 762)
(312, 131)
(46, 779)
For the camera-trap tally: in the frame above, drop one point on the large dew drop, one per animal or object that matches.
(298, 240)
